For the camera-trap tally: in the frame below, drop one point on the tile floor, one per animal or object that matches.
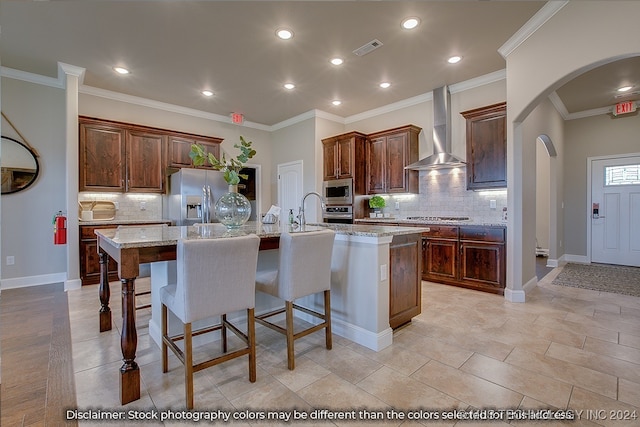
(564, 348)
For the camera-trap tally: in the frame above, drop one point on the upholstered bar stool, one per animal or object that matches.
(214, 277)
(304, 268)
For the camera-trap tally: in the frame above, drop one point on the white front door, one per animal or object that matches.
(289, 189)
(615, 211)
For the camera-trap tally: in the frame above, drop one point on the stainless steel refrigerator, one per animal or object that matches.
(194, 192)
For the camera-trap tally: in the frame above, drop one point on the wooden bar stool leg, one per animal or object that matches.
(327, 319)
(223, 333)
(251, 334)
(165, 358)
(290, 340)
(188, 365)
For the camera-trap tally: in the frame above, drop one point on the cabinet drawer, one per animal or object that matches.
(483, 234)
(88, 231)
(442, 231)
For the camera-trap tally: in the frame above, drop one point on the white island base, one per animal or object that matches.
(359, 290)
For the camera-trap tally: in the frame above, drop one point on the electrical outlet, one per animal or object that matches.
(397, 206)
(492, 204)
(11, 260)
(117, 205)
(143, 206)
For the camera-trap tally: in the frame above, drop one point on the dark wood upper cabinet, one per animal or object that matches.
(343, 157)
(486, 147)
(123, 157)
(145, 165)
(102, 157)
(180, 147)
(388, 152)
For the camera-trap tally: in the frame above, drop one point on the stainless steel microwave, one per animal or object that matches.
(338, 191)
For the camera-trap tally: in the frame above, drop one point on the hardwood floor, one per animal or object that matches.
(37, 369)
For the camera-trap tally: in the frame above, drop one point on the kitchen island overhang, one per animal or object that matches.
(361, 277)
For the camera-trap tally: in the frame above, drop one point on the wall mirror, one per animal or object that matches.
(19, 165)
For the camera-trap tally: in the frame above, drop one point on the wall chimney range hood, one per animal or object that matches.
(441, 157)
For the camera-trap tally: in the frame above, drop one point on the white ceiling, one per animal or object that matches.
(175, 49)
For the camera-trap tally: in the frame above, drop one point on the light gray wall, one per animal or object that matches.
(292, 143)
(545, 208)
(591, 137)
(27, 232)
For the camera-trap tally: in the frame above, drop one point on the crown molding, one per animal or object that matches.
(311, 114)
(31, 77)
(531, 26)
(144, 102)
(486, 79)
(68, 69)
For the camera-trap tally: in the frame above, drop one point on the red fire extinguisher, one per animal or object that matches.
(59, 229)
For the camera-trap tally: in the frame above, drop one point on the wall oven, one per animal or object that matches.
(337, 214)
(338, 191)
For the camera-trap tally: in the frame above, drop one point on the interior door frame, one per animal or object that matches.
(590, 161)
(279, 167)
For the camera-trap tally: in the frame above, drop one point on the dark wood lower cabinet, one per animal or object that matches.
(405, 288)
(89, 259)
(475, 258)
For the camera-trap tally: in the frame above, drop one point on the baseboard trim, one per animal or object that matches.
(582, 259)
(72, 285)
(374, 341)
(514, 296)
(24, 282)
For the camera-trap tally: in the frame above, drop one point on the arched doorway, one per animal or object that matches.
(566, 57)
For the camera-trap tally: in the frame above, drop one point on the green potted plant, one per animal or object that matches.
(232, 209)
(376, 203)
(231, 167)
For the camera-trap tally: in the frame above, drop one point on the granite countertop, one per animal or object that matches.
(413, 222)
(163, 235)
(124, 221)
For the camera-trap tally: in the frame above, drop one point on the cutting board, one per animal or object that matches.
(103, 210)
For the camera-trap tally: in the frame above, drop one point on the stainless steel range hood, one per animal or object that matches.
(441, 157)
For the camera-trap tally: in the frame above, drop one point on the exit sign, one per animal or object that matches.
(237, 118)
(624, 108)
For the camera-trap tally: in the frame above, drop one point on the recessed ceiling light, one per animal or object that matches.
(121, 70)
(336, 102)
(337, 61)
(625, 88)
(289, 86)
(454, 59)
(284, 33)
(410, 23)
(385, 85)
(207, 93)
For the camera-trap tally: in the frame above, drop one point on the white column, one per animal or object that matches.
(71, 77)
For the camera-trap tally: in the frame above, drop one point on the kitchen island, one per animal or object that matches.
(375, 279)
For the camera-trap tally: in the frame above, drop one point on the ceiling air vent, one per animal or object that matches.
(369, 47)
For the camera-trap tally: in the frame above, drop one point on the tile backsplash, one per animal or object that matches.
(130, 206)
(444, 193)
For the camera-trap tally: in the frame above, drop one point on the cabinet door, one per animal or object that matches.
(345, 157)
(486, 147)
(376, 165)
(482, 264)
(405, 286)
(90, 263)
(180, 147)
(441, 259)
(145, 166)
(102, 153)
(329, 160)
(396, 161)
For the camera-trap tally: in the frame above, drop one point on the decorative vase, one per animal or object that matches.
(233, 209)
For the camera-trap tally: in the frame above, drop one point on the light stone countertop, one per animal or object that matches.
(413, 222)
(97, 222)
(163, 235)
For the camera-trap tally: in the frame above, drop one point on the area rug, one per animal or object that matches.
(616, 279)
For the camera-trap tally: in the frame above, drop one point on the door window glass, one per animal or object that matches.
(621, 175)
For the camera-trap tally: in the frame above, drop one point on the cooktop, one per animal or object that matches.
(438, 218)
